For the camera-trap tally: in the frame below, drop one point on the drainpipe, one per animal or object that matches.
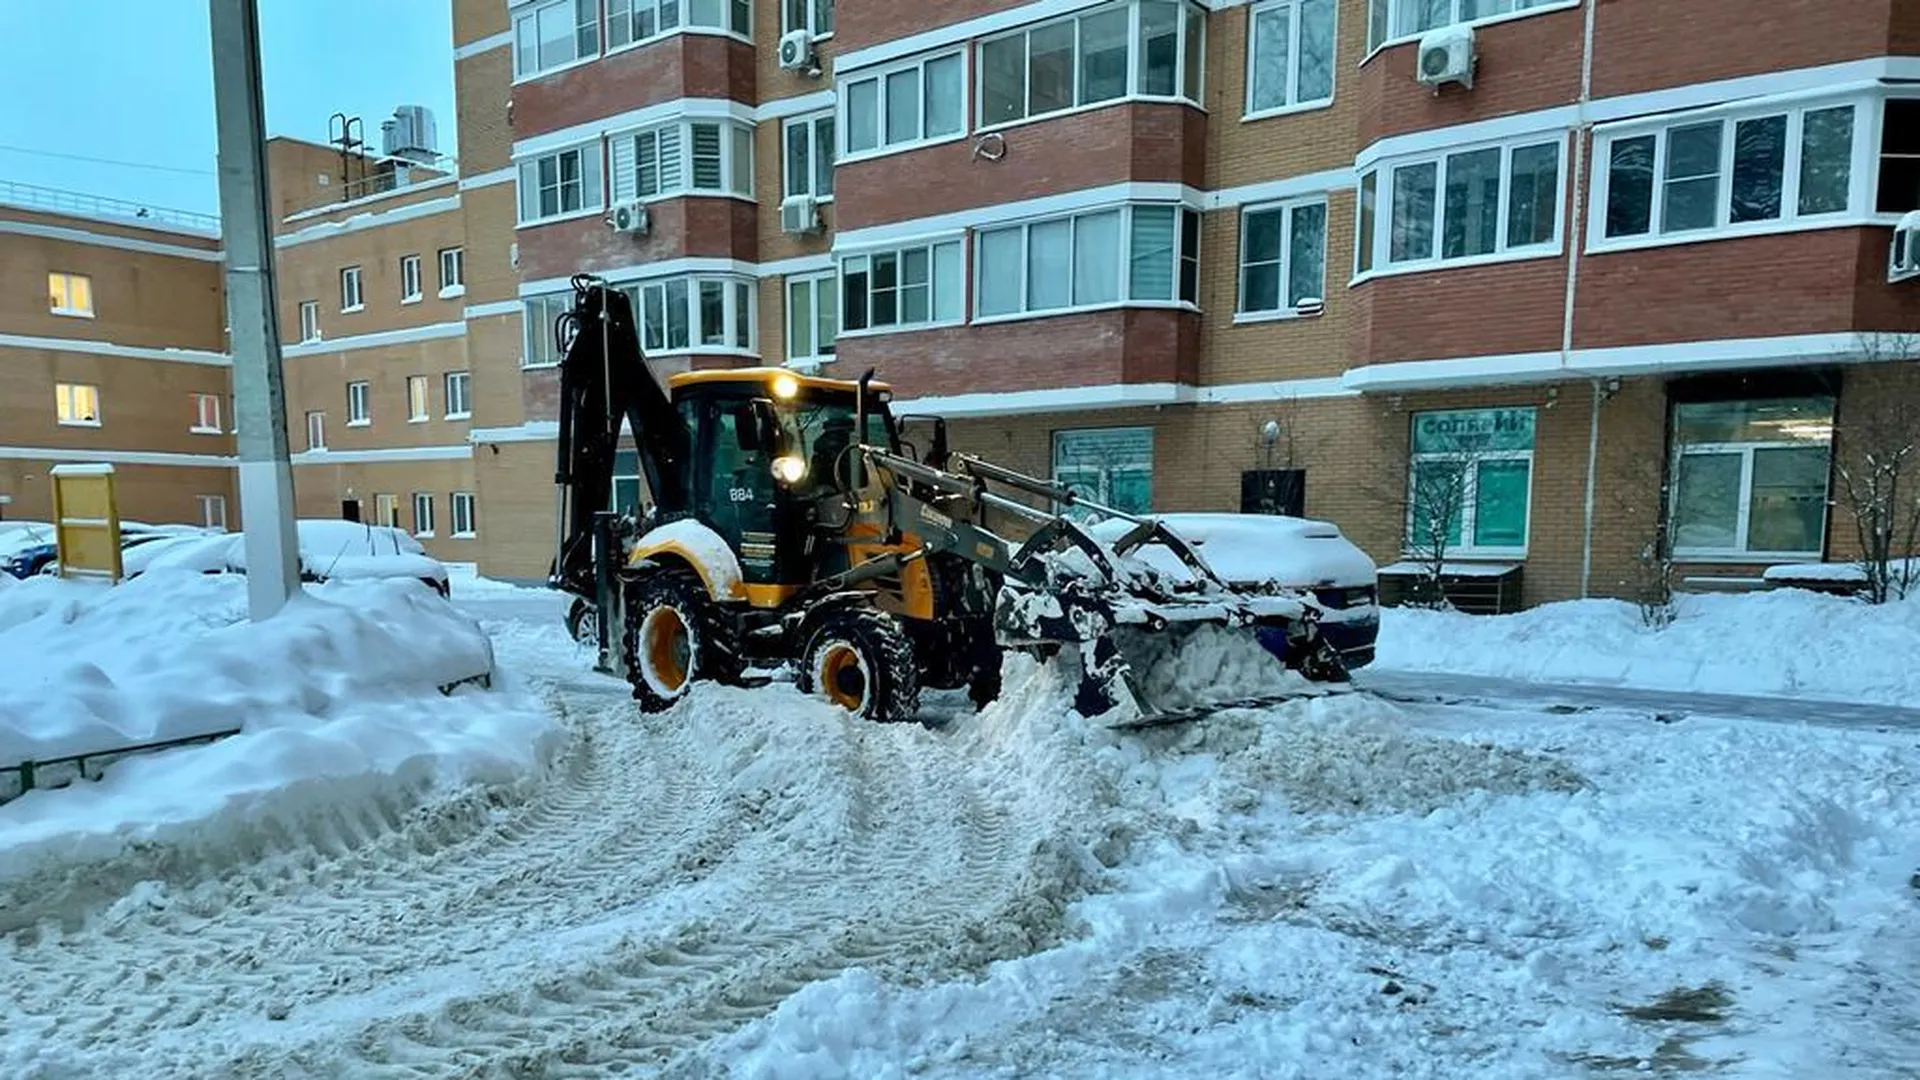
(1582, 127)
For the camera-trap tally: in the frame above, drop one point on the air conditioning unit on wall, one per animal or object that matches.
(1445, 56)
(629, 218)
(796, 50)
(1903, 261)
(799, 214)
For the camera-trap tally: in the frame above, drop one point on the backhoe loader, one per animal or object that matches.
(789, 526)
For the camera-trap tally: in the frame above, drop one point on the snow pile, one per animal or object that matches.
(328, 549)
(344, 685)
(1785, 641)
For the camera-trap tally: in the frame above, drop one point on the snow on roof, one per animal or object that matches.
(83, 469)
(1452, 569)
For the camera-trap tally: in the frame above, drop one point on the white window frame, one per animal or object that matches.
(1294, 103)
(932, 246)
(1875, 151)
(1384, 172)
(537, 317)
(735, 164)
(462, 504)
(386, 510)
(878, 76)
(1124, 297)
(68, 399)
(352, 296)
(811, 122)
(1380, 33)
(453, 272)
(1741, 552)
(813, 13)
(61, 298)
(592, 187)
(529, 15)
(1863, 166)
(1133, 92)
(423, 500)
(463, 380)
(359, 404)
(687, 289)
(683, 11)
(1469, 504)
(1285, 208)
(410, 284)
(309, 321)
(419, 399)
(316, 429)
(206, 406)
(213, 511)
(817, 355)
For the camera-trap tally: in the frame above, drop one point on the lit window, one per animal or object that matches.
(206, 414)
(358, 413)
(457, 384)
(70, 294)
(417, 404)
(316, 431)
(350, 289)
(554, 34)
(409, 278)
(309, 320)
(386, 510)
(453, 272)
(462, 504)
(564, 182)
(422, 513)
(77, 404)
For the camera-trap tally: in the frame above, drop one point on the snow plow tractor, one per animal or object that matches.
(788, 526)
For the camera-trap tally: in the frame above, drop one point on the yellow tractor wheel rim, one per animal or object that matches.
(668, 648)
(843, 678)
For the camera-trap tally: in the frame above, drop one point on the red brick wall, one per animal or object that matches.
(1525, 64)
(1473, 311)
(684, 65)
(710, 227)
(1108, 145)
(1650, 44)
(1089, 349)
(860, 23)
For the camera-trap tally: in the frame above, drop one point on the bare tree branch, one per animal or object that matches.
(1877, 462)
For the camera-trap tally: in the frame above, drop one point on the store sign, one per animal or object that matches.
(1457, 431)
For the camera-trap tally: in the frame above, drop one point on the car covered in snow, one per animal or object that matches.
(30, 548)
(329, 550)
(1258, 551)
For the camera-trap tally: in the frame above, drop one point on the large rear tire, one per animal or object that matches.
(862, 660)
(675, 636)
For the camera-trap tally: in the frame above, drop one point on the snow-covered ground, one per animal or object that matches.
(755, 885)
(1785, 641)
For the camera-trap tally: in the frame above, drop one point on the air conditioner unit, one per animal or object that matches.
(1446, 55)
(1903, 262)
(629, 217)
(799, 214)
(796, 50)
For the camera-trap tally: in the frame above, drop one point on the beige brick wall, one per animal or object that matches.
(139, 298)
(311, 271)
(320, 489)
(493, 350)
(1291, 144)
(154, 494)
(487, 218)
(482, 85)
(516, 487)
(1301, 348)
(476, 19)
(319, 383)
(144, 404)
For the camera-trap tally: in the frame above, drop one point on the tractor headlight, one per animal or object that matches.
(789, 469)
(785, 386)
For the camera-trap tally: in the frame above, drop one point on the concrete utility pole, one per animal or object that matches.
(259, 394)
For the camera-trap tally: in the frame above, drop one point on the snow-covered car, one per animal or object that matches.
(329, 550)
(1263, 550)
(33, 550)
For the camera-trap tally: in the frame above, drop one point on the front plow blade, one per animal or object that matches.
(1187, 671)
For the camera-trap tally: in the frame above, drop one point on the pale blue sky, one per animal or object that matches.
(132, 81)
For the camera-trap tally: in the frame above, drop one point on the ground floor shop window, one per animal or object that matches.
(1111, 466)
(1750, 477)
(1470, 481)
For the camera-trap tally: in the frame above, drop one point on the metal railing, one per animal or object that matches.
(35, 197)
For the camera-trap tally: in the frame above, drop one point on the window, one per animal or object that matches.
(626, 480)
(358, 414)
(1110, 466)
(1290, 56)
(539, 319)
(1088, 260)
(560, 183)
(206, 414)
(916, 286)
(457, 385)
(350, 290)
(555, 34)
(813, 316)
(1474, 468)
(1899, 157)
(423, 513)
(1750, 477)
(904, 105)
(461, 503)
(409, 278)
(1163, 256)
(213, 511)
(1114, 52)
(706, 314)
(70, 294)
(418, 405)
(813, 16)
(77, 404)
(1467, 204)
(686, 156)
(309, 320)
(1391, 20)
(1283, 257)
(1729, 172)
(453, 272)
(809, 156)
(386, 510)
(316, 431)
(634, 22)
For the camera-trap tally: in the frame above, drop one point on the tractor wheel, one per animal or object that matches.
(675, 636)
(861, 660)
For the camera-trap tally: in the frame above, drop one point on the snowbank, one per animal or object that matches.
(342, 685)
(1780, 642)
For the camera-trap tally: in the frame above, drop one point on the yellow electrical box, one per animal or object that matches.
(86, 521)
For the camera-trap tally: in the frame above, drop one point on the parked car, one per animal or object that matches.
(1262, 550)
(329, 550)
(31, 549)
